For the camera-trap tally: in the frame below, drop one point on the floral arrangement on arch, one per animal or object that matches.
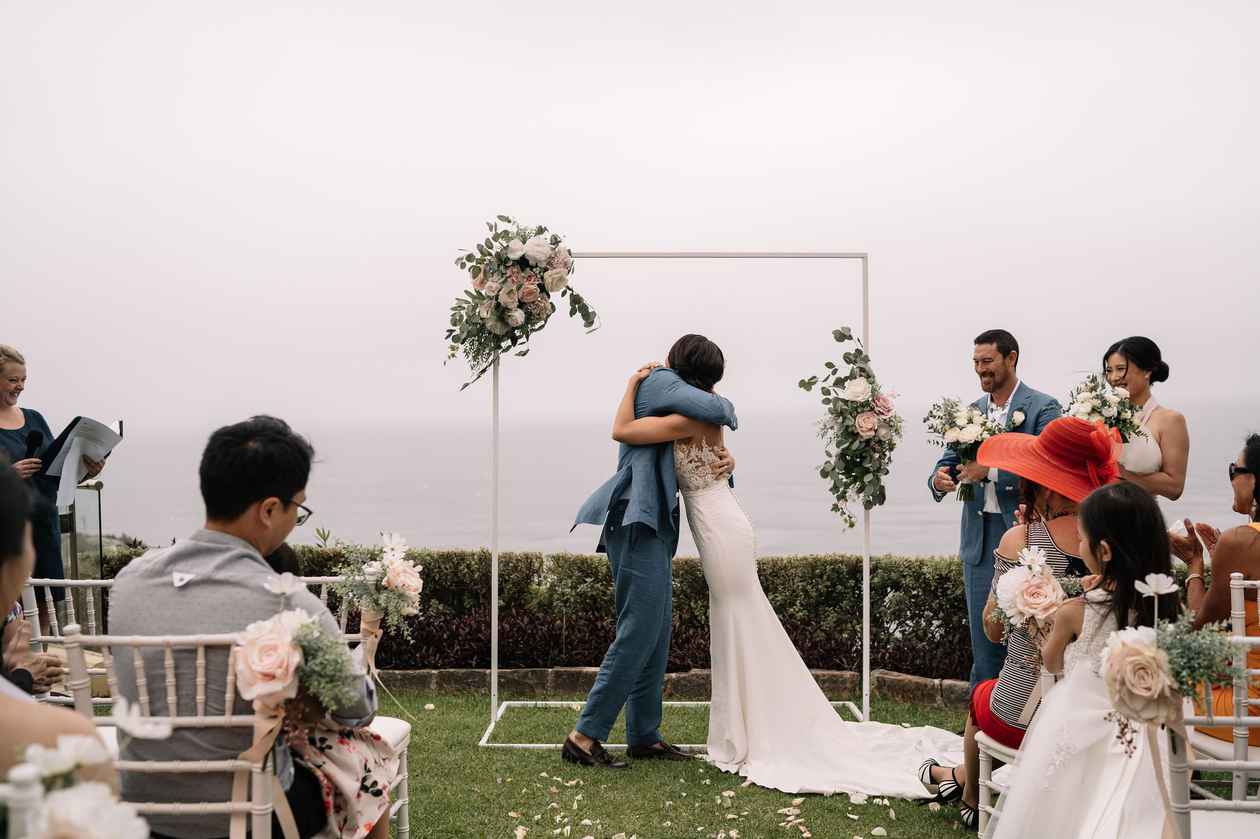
(961, 429)
(385, 587)
(1097, 401)
(514, 274)
(860, 429)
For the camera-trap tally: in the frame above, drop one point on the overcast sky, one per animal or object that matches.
(211, 210)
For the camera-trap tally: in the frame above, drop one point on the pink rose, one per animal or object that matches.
(529, 294)
(508, 297)
(867, 424)
(402, 575)
(492, 287)
(268, 658)
(1040, 598)
(883, 405)
(515, 276)
(479, 281)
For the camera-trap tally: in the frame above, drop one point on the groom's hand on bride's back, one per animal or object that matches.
(724, 467)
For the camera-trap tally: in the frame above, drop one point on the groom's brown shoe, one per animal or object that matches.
(662, 750)
(597, 756)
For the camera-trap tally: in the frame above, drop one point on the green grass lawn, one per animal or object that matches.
(460, 790)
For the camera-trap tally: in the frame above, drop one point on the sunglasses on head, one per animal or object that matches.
(1235, 470)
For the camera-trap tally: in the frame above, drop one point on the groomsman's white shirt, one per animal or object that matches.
(999, 416)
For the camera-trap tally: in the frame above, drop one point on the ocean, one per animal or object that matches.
(431, 482)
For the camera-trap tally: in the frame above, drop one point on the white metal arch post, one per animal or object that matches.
(497, 710)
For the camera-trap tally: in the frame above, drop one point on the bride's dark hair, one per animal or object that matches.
(1142, 353)
(1128, 519)
(697, 361)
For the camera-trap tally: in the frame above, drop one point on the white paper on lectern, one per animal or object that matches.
(89, 438)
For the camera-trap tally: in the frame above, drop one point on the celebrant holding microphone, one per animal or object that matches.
(24, 436)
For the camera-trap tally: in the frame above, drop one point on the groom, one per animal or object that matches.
(991, 511)
(638, 508)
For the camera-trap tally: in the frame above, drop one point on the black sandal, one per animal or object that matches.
(969, 816)
(947, 791)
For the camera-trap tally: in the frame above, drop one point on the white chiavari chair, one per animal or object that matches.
(21, 797)
(1209, 814)
(259, 806)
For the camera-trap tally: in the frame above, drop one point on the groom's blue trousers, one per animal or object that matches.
(634, 666)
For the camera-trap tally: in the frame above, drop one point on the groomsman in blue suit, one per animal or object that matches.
(991, 510)
(638, 508)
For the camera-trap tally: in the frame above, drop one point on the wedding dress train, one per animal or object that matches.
(768, 720)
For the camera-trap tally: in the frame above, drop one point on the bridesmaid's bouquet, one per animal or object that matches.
(1029, 594)
(1097, 401)
(960, 429)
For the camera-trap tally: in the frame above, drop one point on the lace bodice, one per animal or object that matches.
(1096, 627)
(693, 463)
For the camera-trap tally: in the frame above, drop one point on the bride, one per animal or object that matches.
(768, 719)
(1157, 460)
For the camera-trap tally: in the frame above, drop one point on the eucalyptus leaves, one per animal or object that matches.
(859, 430)
(514, 274)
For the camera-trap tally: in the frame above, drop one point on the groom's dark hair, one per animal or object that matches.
(697, 361)
(1000, 338)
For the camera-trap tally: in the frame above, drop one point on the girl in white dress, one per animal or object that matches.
(768, 720)
(1157, 460)
(1074, 778)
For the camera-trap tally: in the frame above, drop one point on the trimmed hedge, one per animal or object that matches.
(556, 610)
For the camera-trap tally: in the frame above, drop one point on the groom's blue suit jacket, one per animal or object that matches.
(1038, 410)
(645, 474)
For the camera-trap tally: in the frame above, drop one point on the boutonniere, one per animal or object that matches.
(1017, 419)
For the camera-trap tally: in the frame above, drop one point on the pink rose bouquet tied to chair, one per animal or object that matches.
(289, 659)
(386, 586)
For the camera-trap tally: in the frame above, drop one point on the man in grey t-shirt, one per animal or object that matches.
(253, 482)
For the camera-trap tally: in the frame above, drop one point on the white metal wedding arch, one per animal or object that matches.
(497, 709)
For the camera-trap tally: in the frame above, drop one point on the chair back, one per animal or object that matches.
(197, 646)
(21, 798)
(31, 609)
(1180, 762)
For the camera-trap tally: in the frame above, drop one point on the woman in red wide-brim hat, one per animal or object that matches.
(1060, 467)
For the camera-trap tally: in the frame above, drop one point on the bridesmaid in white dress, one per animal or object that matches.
(768, 720)
(1157, 461)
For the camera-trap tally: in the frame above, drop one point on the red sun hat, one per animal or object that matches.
(1071, 456)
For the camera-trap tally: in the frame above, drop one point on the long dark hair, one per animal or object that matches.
(1142, 353)
(1128, 519)
(1251, 460)
(697, 361)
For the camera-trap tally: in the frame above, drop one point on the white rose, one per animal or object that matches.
(1108, 411)
(492, 287)
(515, 249)
(1017, 418)
(516, 317)
(856, 390)
(1112, 397)
(87, 811)
(962, 418)
(565, 256)
(951, 436)
(508, 298)
(969, 434)
(1122, 392)
(538, 250)
(555, 280)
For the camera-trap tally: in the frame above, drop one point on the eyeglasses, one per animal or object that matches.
(304, 513)
(1235, 470)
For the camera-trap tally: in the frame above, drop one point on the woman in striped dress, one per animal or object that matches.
(1060, 468)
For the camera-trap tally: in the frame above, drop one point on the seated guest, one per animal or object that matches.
(1060, 468)
(253, 482)
(1236, 550)
(27, 722)
(1071, 779)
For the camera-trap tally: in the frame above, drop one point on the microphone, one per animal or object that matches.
(34, 440)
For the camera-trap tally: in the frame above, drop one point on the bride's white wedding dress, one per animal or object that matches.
(768, 720)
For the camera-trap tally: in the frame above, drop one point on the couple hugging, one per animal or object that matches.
(768, 719)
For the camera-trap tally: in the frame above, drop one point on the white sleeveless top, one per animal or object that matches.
(693, 463)
(1096, 627)
(1142, 455)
